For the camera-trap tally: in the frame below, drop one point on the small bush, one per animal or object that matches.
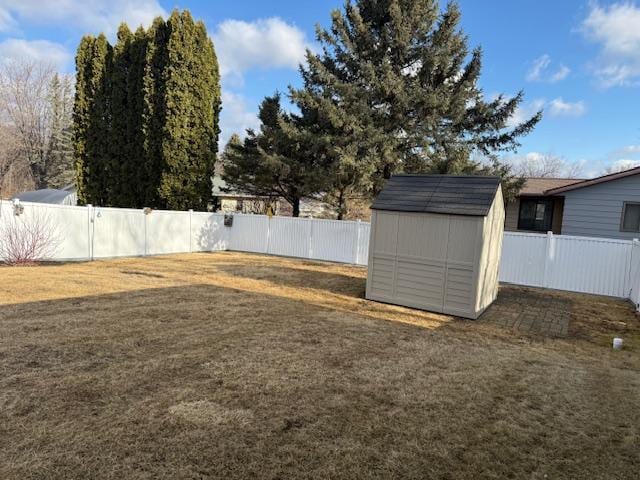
(27, 239)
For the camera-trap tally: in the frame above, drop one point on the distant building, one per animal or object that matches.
(65, 196)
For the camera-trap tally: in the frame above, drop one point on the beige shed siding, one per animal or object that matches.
(437, 262)
(487, 286)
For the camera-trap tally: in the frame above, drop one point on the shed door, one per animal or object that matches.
(421, 260)
(461, 257)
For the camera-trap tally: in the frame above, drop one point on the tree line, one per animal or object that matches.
(145, 116)
(36, 148)
(394, 88)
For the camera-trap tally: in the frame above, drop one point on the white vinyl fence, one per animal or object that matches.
(580, 264)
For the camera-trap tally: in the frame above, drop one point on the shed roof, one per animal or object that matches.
(448, 194)
(46, 195)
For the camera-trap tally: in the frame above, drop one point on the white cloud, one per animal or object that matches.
(525, 111)
(91, 15)
(559, 108)
(540, 71)
(264, 43)
(235, 117)
(631, 149)
(617, 29)
(562, 73)
(39, 50)
(621, 165)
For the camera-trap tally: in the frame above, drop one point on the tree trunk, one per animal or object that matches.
(295, 203)
(342, 205)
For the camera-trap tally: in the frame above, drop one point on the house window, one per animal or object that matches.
(239, 205)
(630, 217)
(535, 214)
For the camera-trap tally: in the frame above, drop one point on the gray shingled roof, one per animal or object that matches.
(449, 194)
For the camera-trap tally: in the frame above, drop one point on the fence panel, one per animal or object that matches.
(208, 232)
(290, 237)
(168, 232)
(67, 226)
(335, 241)
(523, 259)
(249, 233)
(590, 265)
(118, 232)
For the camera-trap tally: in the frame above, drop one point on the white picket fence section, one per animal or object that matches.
(580, 264)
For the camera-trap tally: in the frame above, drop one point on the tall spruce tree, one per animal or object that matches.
(274, 161)
(397, 88)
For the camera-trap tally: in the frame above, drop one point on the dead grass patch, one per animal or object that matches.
(245, 366)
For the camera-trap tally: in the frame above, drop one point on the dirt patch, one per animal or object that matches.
(208, 413)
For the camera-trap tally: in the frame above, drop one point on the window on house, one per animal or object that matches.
(630, 217)
(239, 205)
(535, 214)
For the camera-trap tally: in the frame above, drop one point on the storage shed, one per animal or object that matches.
(436, 242)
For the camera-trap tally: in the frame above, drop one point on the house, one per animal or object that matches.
(230, 201)
(435, 243)
(606, 206)
(53, 196)
(533, 211)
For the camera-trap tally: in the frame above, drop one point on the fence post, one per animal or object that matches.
(358, 235)
(548, 259)
(144, 215)
(310, 254)
(190, 215)
(90, 231)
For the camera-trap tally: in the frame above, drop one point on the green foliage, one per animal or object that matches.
(146, 116)
(275, 161)
(395, 88)
(192, 93)
(91, 120)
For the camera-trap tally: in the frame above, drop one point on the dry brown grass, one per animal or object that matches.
(230, 365)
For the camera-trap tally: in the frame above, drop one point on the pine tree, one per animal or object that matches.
(397, 89)
(59, 167)
(274, 161)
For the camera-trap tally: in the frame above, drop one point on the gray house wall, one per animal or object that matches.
(596, 211)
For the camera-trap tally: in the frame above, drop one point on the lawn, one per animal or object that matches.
(231, 365)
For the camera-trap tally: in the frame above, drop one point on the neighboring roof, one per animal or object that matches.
(594, 181)
(46, 195)
(220, 189)
(539, 185)
(449, 194)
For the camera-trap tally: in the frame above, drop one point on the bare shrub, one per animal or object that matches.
(27, 239)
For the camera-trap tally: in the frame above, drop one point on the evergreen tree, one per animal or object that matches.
(81, 115)
(91, 120)
(153, 113)
(191, 104)
(121, 180)
(146, 116)
(397, 88)
(60, 168)
(274, 161)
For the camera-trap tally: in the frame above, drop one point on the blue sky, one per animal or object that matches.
(578, 60)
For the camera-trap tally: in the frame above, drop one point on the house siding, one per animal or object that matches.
(596, 211)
